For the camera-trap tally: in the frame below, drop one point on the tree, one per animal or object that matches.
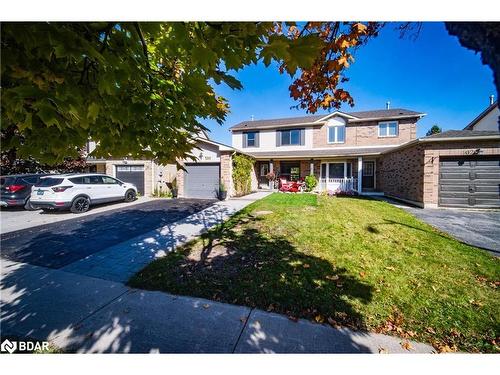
(141, 89)
(435, 129)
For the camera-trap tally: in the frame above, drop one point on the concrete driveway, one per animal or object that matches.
(73, 237)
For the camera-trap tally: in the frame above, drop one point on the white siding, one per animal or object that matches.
(488, 122)
(267, 141)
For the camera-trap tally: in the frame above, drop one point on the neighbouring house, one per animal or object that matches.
(210, 164)
(343, 150)
(488, 120)
(377, 152)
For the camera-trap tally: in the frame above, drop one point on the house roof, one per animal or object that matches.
(314, 153)
(481, 115)
(320, 119)
(462, 134)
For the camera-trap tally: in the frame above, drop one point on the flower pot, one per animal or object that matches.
(174, 193)
(222, 195)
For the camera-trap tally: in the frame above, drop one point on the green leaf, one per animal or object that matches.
(93, 111)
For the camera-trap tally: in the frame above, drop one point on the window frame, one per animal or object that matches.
(386, 124)
(336, 133)
(289, 131)
(246, 139)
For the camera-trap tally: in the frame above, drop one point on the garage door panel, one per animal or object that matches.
(202, 180)
(133, 174)
(469, 182)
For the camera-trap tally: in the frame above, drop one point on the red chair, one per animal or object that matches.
(285, 186)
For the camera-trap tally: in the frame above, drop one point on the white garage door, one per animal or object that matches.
(202, 180)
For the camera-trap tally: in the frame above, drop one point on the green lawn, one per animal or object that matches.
(356, 262)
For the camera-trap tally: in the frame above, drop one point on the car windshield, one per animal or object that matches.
(6, 181)
(49, 181)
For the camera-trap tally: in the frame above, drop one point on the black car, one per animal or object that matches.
(15, 190)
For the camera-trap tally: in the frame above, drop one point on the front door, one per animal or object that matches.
(368, 181)
(263, 171)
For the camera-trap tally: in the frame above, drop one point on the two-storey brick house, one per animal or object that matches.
(340, 149)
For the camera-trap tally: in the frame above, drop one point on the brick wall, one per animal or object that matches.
(400, 173)
(226, 171)
(366, 134)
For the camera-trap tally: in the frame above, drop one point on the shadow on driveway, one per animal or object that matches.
(59, 244)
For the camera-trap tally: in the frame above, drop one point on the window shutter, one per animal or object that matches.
(257, 139)
(302, 137)
(278, 138)
(245, 140)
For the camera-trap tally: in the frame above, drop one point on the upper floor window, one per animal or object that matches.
(251, 139)
(336, 134)
(388, 129)
(290, 137)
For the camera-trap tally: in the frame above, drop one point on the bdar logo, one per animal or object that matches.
(8, 346)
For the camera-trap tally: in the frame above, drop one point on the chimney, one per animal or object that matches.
(492, 99)
(387, 105)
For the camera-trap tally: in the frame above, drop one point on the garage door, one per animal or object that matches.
(469, 182)
(133, 174)
(201, 180)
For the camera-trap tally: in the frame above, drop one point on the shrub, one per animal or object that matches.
(311, 182)
(242, 174)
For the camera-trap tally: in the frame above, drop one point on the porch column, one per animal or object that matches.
(271, 169)
(360, 173)
(311, 167)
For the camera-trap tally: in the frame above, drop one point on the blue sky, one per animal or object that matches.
(433, 74)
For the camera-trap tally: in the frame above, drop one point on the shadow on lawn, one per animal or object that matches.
(240, 264)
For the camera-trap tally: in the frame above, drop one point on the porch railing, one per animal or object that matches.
(342, 184)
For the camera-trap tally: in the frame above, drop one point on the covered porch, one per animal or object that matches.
(334, 174)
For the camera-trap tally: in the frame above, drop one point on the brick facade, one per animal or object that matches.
(412, 173)
(226, 171)
(366, 134)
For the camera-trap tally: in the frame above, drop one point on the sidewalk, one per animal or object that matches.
(120, 262)
(89, 315)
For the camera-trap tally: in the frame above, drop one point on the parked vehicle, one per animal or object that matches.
(15, 190)
(79, 191)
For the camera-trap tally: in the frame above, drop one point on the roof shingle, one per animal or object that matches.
(279, 122)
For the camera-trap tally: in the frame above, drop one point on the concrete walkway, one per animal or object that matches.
(121, 261)
(89, 315)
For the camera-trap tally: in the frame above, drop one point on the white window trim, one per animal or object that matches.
(386, 123)
(336, 134)
(246, 138)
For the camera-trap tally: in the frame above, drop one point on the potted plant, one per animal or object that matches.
(173, 188)
(271, 177)
(222, 191)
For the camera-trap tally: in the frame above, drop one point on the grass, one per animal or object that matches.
(354, 262)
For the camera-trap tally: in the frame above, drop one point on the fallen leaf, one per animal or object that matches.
(362, 274)
(306, 265)
(390, 268)
(430, 330)
(383, 351)
(406, 345)
(319, 319)
(434, 288)
(206, 306)
(411, 333)
(332, 278)
(476, 303)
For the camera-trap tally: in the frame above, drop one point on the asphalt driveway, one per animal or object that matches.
(477, 228)
(61, 243)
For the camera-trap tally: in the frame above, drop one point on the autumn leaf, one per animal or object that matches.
(390, 268)
(306, 265)
(406, 345)
(362, 274)
(383, 351)
(332, 278)
(319, 319)
(206, 306)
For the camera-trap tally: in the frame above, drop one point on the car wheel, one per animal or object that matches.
(130, 196)
(80, 205)
(28, 206)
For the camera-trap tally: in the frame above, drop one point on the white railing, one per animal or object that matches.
(342, 184)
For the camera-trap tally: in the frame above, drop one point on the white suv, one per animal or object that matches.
(78, 191)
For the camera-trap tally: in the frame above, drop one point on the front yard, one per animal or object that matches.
(342, 261)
